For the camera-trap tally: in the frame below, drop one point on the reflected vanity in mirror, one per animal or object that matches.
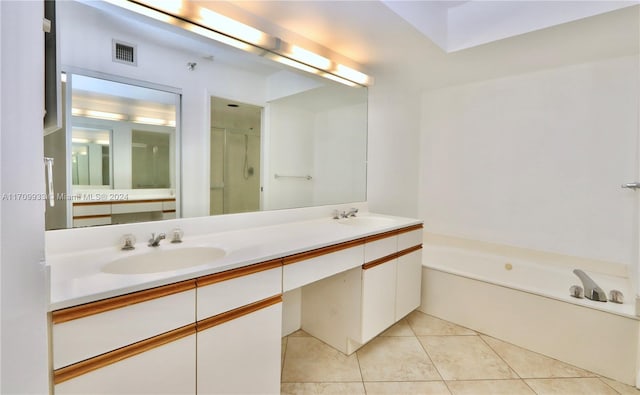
(246, 134)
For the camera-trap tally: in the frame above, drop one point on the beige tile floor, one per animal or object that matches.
(424, 355)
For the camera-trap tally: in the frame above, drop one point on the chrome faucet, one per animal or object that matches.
(154, 241)
(344, 214)
(591, 289)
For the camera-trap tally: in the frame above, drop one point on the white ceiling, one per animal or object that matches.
(457, 25)
(385, 44)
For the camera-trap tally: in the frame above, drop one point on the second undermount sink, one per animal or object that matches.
(157, 261)
(366, 221)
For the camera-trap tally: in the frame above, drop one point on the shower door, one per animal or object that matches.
(235, 171)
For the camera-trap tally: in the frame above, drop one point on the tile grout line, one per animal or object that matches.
(427, 353)
(506, 363)
(607, 384)
(499, 356)
(430, 359)
(360, 370)
(284, 357)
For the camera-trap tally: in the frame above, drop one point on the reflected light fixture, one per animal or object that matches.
(112, 116)
(151, 121)
(194, 17)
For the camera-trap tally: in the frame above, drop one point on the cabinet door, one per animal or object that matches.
(241, 356)
(378, 299)
(166, 369)
(408, 283)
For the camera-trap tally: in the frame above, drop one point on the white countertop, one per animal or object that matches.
(76, 277)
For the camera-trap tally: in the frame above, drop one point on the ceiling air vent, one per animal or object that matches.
(124, 53)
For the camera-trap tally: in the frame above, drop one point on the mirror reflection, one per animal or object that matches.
(121, 148)
(90, 159)
(150, 159)
(304, 145)
(235, 157)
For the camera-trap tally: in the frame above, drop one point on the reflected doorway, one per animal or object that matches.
(235, 157)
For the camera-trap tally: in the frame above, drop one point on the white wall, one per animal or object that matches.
(393, 148)
(340, 158)
(24, 283)
(536, 160)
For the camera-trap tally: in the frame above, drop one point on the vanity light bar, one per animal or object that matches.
(205, 22)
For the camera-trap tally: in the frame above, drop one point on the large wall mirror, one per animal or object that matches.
(246, 134)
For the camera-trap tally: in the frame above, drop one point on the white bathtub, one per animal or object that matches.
(522, 301)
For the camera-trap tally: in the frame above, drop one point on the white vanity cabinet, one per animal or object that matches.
(219, 333)
(391, 277)
(142, 342)
(240, 330)
(348, 309)
(408, 281)
(222, 332)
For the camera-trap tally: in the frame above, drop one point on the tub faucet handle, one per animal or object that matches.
(591, 289)
(576, 291)
(616, 296)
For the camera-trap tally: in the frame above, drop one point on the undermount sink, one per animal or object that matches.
(366, 221)
(164, 260)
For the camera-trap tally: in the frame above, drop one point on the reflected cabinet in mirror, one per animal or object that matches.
(160, 122)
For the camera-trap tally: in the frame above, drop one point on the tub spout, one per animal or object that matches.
(591, 289)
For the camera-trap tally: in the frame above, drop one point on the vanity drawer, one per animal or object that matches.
(169, 215)
(91, 209)
(380, 247)
(221, 292)
(92, 329)
(91, 221)
(126, 208)
(169, 205)
(305, 268)
(409, 239)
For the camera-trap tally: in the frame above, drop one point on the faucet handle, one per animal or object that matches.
(177, 234)
(127, 241)
(155, 241)
(576, 291)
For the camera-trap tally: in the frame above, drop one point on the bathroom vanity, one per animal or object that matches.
(216, 327)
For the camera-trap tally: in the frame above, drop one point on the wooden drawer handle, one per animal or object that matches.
(239, 272)
(237, 313)
(100, 306)
(303, 256)
(391, 257)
